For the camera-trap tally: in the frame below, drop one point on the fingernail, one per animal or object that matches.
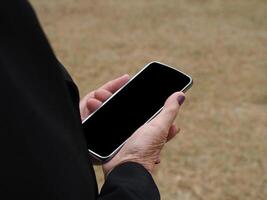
(181, 99)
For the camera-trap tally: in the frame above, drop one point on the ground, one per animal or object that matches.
(222, 148)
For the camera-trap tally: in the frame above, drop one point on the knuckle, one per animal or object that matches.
(172, 110)
(159, 128)
(98, 91)
(91, 94)
(110, 82)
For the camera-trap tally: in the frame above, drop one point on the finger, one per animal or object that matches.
(169, 111)
(114, 85)
(173, 131)
(93, 104)
(157, 161)
(102, 94)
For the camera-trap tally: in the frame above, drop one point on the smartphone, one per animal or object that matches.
(136, 103)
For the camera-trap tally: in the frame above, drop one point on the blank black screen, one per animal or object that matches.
(131, 107)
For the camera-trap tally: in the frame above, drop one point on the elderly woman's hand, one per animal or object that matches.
(145, 144)
(94, 99)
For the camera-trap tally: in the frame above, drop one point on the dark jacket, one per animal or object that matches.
(43, 153)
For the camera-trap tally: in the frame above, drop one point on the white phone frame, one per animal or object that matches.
(103, 159)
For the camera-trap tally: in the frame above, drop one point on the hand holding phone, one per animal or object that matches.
(145, 144)
(142, 98)
(93, 100)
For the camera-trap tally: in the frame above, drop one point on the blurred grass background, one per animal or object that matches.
(221, 152)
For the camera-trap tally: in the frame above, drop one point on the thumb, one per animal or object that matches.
(169, 111)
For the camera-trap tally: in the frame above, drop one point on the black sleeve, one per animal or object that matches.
(72, 87)
(129, 181)
(43, 151)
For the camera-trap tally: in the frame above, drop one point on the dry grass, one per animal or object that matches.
(221, 152)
